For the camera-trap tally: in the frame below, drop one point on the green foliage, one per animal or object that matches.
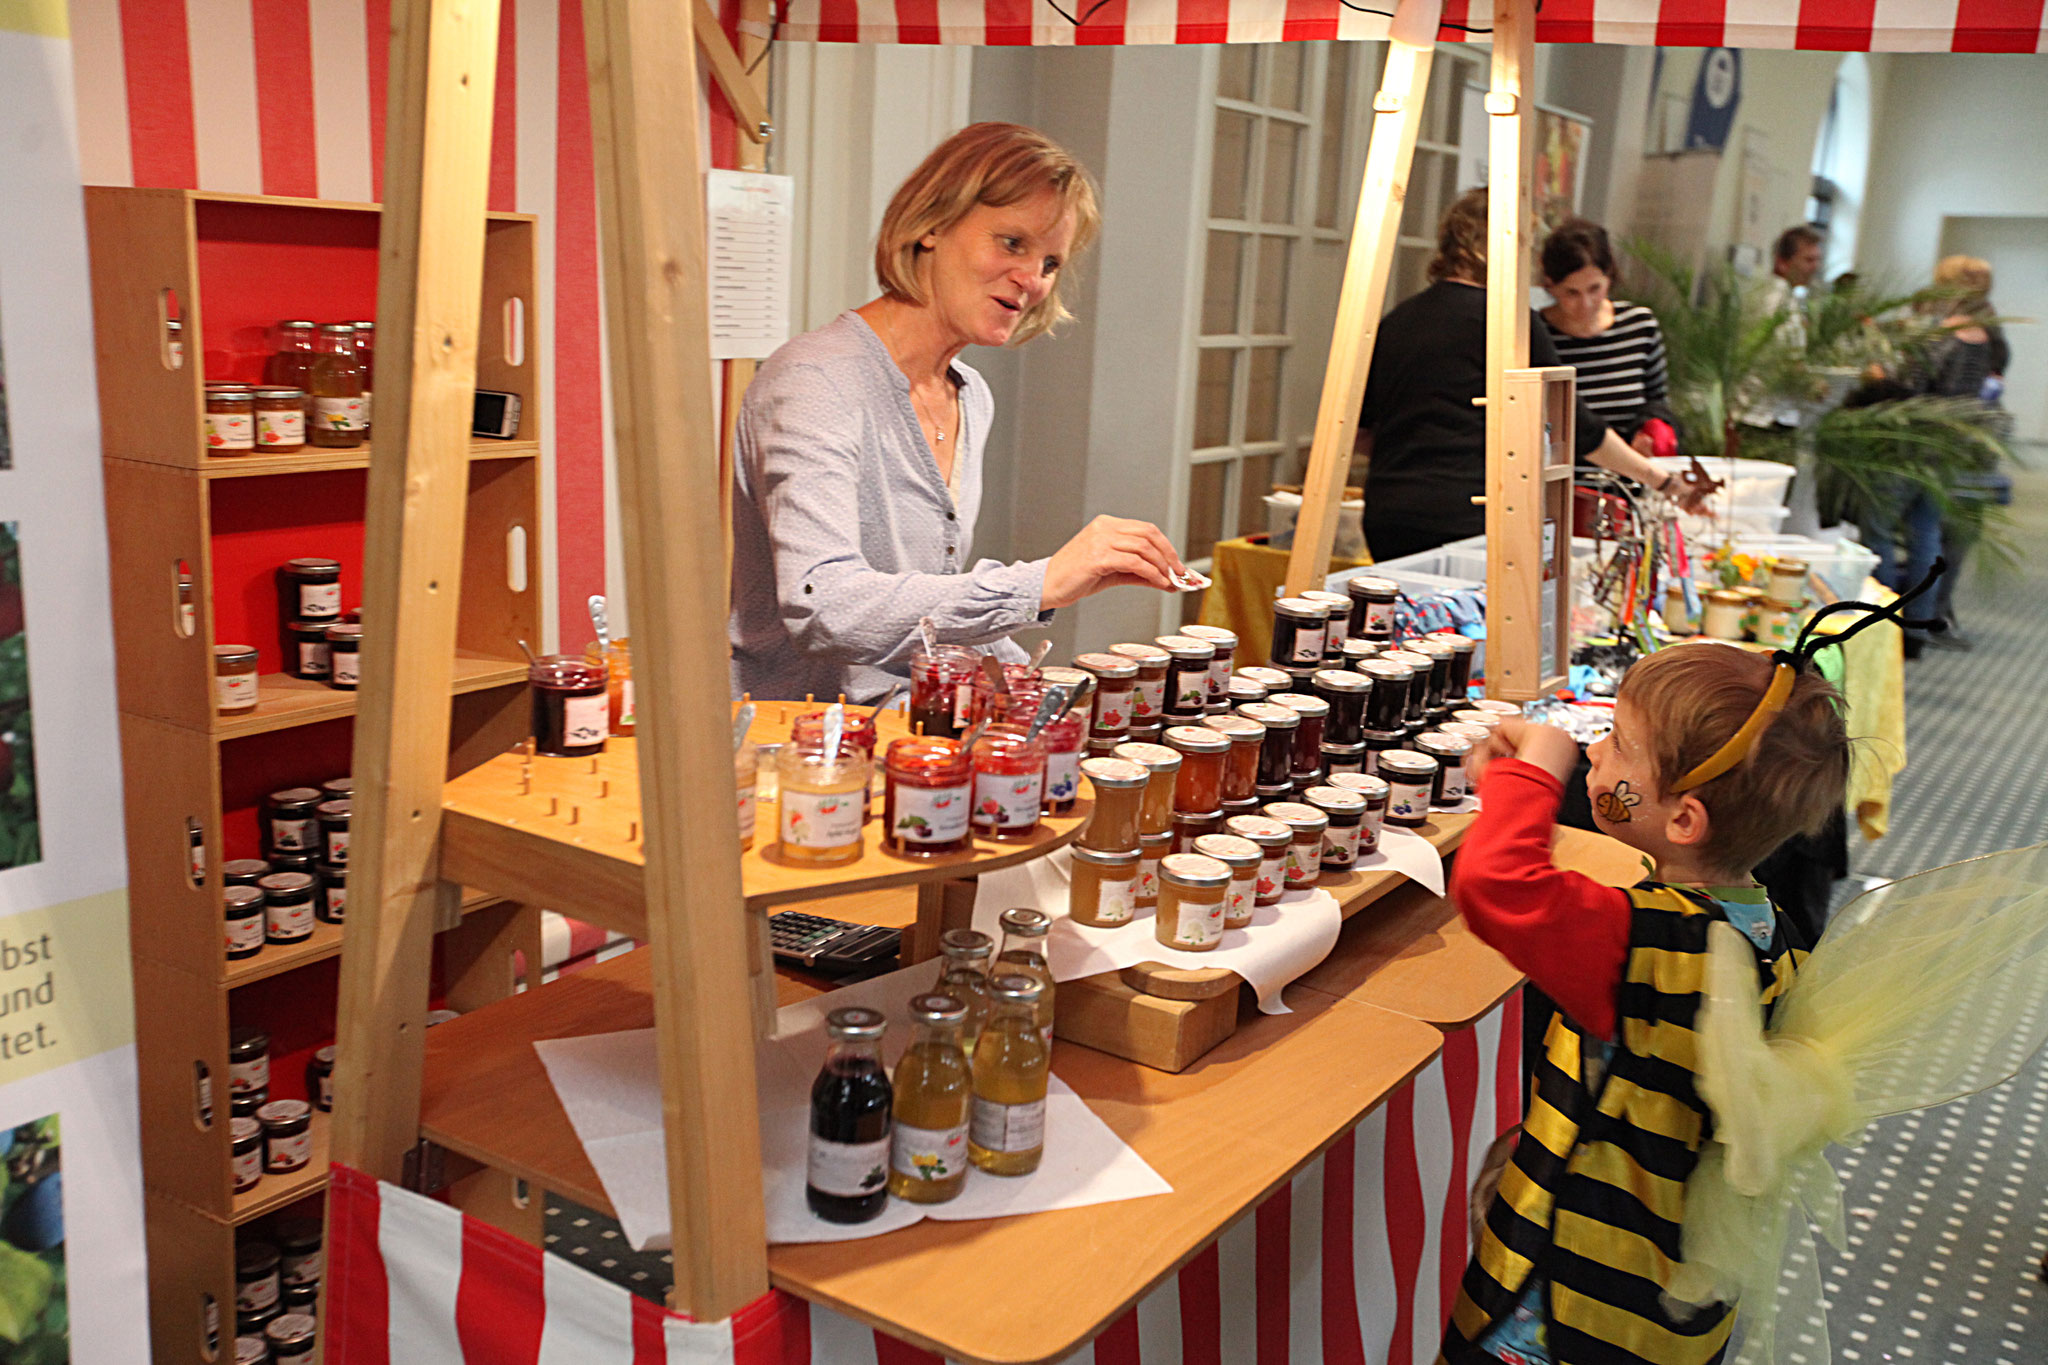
(35, 1320)
(20, 832)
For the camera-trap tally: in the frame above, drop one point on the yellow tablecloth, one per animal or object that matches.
(1244, 579)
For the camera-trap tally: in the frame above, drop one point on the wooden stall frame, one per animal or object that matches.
(1529, 517)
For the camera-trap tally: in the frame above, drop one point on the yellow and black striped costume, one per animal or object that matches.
(1595, 1194)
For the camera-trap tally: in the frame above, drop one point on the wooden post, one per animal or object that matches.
(753, 156)
(650, 195)
(1397, 116)
(1511, 151)
(430, 262)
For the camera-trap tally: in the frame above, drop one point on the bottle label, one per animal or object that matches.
(230, 431)
(1272, 873)
(586, 720)
(1454, 784)
(820, 819)
(292, 835)
(1198, 924)
(1008, 1127)
(625, 703)
(1146, 887)
(1337, 632)
(1244, 890)
(1118, 901)
(319, 601)
(1340, 846)
(337, 845)
(1008, 800)
(1406, 801)
(342, 663)
(245, 935)
(288, 923)
(281, 427)
(248, 1169)
(235, 691)
(253, 1296)
(931, 815)
(1063, 776)
(315, 659)
(302, 1267)
(1379, 618)
(848, 1169)
(1308, 645)
(246, 1076)
(745, 795)
(1299, 873)
(1148, 699)
(929, 1155)
(341, 414)
(288, 1153)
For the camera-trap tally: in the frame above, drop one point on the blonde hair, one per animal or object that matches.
(997, 164)
(1966, 281)
(1461, 238)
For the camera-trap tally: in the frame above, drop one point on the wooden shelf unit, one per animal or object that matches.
(230, 266)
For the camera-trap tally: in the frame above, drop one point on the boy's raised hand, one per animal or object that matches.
(1546, 746)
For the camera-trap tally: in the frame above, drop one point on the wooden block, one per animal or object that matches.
(1181, 983)
(1103, 1013)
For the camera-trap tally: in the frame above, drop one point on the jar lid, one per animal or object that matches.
(283, 394)
(1077, 681)
(1459, 643)
(244, 867)
(1499, 708)
(298, 322)
(1233, 850)
(1128, 858)
(313, 564)
(298, 1234)
(1474, 735)
(1224, 640)
(855, 1023)
(1343, 751)
(338, 809)
(1107, 665)
(241, 901)
(337, 329)
(1407, 657)
(1474, 716)
(1359, 648)
(1373, 788)
(1015, 986)
(1243, 689)
(1340, 680)
(1186, 647)
(1335, 601)
(1271, 714)
(291, 1328)
(1269, 678)
(1408, 765)
(1373, 588)
(1431, 648)
(1151, 843)
(1155, 758)
(255, 1258)
(353, 630)
(284, 1111)
(1193, 869)
(937, 1008)
(241, 1130)
(1301, 703)
(1196, 739)
(1789, 566)
(1235, 727)
(1302, 609)
(232, 385)
(286, 883)
(1025, 922)
(344, 785)
(969, 943)
(334, 874)
(1334, 799)
(1443, 746)
(324, 1054)
(1386, 669)
(233, 654)
(1144, 654)
(230, 393)
(1115, 773)
(247, 1042)
(1260, 829)
(251, 1351)
(361, 326)
(1297, 815)
(567, 670)
(295, 796)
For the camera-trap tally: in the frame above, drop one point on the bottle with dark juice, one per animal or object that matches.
(848, 1171)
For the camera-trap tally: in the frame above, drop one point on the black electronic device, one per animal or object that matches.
(831, 947)
(496, 414)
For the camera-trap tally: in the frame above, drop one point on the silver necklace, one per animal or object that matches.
(938, 427)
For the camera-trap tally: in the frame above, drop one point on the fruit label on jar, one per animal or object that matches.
(931, 815)
(1272, 874)
(1454, 785)
(253, 1296)
(1408, 802)
(1308, 646)
(1148, 698)
(929, 1155)
(315, 658)
(341, 414)
(820, 819)
(289, 923)
(337, 903)
(1110, 716)
(235, 691)
(1147, 883)
(245, 935)
(1199, 924)
(1379, 618)
(848, 1169)
(246, 1076)
(586, 720)
(302, 1267)
(625, 702)
(963, 703)
(342, 664)
(296, 835)
(1300, 873)
(1244, 890)
(1219, 678)
(248, 1169)
(288, 1153)
(337, 845)
(1337, 632)
(1007, 800)
(1117, 901)
(999, 1127)
(230, 431)
(1368, 835)
(1062, 776)
(1340, 846)
(746, 795)
(281, 427)
(318, 601)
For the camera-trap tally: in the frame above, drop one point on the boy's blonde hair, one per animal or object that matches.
(1691, 698)
(997, 164)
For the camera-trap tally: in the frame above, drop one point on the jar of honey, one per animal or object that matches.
(230, 419)
(820, 800)
(1155, 813)
(570, 712)
(1152, 848)
(941, 689)
(1241, 764)
(1225, 644)
(234, 679)
(1009, 782)
(1148, 696)
(1198, 787)
(1242, 857)
(1192, 891)
(1276, 748)
(927, 795)
(1116, 685)
(280, 420)
(1187, 676)
(1373, 788)
(1305, 850)
(1119, 787)
(1272, 838)
(617, 661)
(1104, 891)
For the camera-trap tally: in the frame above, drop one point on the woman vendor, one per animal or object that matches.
(858, 458)
(1425, 434)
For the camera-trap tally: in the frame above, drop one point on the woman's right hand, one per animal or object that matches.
(1110, 552)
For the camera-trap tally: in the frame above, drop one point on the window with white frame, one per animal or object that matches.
(1450, 158)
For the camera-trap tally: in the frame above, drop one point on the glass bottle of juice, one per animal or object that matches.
(1006, 1134)
(1023, 951)
(928, 1156)
(291, 364)
(964, 975)
(847, 1177)
(335, 387)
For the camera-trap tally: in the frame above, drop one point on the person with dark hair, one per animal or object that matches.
(1423, 435)
(1796, 256)
(1617, 347)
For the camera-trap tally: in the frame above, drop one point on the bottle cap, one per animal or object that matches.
(855, 1023)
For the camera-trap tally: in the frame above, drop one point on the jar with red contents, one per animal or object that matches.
(941, 689)
(571, 713)
(808, 731)
(1241, 766)
(1308, 736)
(1009, 782)
(1021, 701)
(1198, 787)
(1148, 701)
(928, 794)
(1063, 737)
(1116, 685)
(1276, 749)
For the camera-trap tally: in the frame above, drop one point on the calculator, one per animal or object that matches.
(831, 946)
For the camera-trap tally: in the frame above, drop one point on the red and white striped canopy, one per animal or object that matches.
(1826, 25)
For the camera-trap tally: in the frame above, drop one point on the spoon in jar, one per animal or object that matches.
(997, 679)
(1049, 710)
(835, 730)
(928, 629)
(742, 721)
(883, 704)
(598, 619)
(527, 649)
(1038, 653)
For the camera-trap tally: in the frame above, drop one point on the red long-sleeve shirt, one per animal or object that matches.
(1563, 930)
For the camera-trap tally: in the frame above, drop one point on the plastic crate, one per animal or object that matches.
(1841, 563)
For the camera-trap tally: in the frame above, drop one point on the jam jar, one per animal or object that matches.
(1308, 736)
(248, 1060)
(244, 871)
(1148, 697)
(1386, 708)
(335, 818)
(344, 655)
(1451, 754)
(1305, 850)
(1299, 630)
(1344, 691)
(309, 589)
(234, 679)
(617, 659)
(1192, 892)
(244, 912)
(1276, 749)
(1198, 787)
(230, 419)
(928, 786)
(820, 801)
(292, 820)
(941, 686)
(331, 897)
(1273, 838)
(1190, 826)
(1063, 737)
(1119, 788)
(1373, 788)
(307, 654)
(1343, 758)
(1242, 857)
(1372, 607)
(320, 1079)
(287, 907)
(291, 1338)
(245, 1137)
(1357, 652)
(280, 420)
(1474, 735)
(1339, 628)
(1421, 670)
(1116, 684)
(1463, 650)
(1151, 848)
(571, 706)
(1345, 811)
(1241, 766)
(1224, 642)
(1243, 690)
(257, 1284)
(857, 730)
(1187, 676)
(1009, 782)
(1440, 655)
(1162, 765)
(1475, 715)
(1272, 679)
(287, 1135)
(1103, 892)
(1411, 781)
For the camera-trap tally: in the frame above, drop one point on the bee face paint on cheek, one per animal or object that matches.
(1614, 806)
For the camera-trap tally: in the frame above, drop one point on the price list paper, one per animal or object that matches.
(750, 232)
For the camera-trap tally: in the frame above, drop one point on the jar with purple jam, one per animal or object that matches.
(1374, 789)
(1299, 629)
(1452, 754)
(1308, 736)
(941, 687)
(1440, 654)
(1187, 677)
(1386, 706)
(1243, 690)
(1063, 737)
(1276, 750)
(1463, 650)
(1345, 692)
(1420, 666)
(1339, 628)
(1357, 652)
(1372, 607)
(571, 706)
(1225, 644)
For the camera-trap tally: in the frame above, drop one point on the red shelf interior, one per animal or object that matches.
(260, 264)
(297, 1010)
(254, 766)
(258, 524)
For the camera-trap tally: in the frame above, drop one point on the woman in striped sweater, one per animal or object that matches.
(1617, 347)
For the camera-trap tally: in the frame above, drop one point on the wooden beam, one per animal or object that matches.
(651, 202)
(1511, 152)
(748, 105)
(430, 280)
(755, 17)
(1397, 116)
